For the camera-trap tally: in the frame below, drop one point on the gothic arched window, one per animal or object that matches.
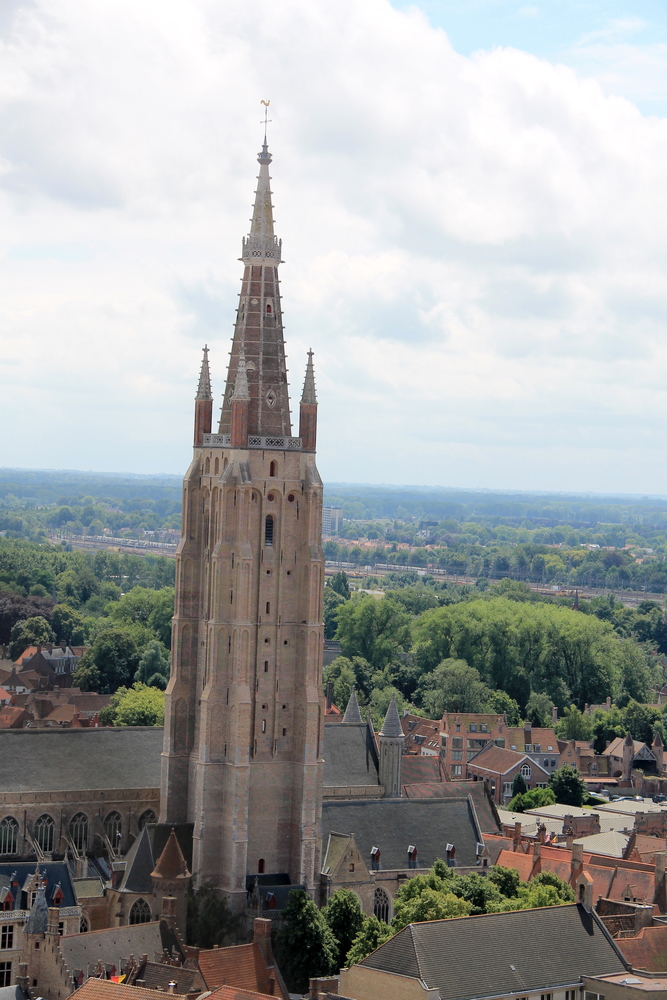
(78, 831)
(146, 818)
(113, 827)
(381, 905)
(83, 926)
(140, 912)
(9, 835)
(45, 833)
(268, 530)
(525, 771)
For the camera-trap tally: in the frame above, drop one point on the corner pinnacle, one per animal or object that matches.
(309, 394)
(204, 387)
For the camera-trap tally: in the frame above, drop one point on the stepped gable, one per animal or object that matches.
(113, 946)
(73, 760)
(445, 954)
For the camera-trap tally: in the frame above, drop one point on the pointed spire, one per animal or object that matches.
(657, 739)
(628, 741)
(391, 727)
(171, 864)
(261, 225)
(309, 394)
(352, 713)
(241, 390)
(204, 387)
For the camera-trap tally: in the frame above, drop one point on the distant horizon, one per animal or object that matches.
(348, 484)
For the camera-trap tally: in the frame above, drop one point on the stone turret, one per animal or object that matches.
(391, 751)
(308, 409)
(658, 751)
(352, 713)
(171, 878)
(203, 403)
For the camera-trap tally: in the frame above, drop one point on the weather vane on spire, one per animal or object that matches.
(266, 117)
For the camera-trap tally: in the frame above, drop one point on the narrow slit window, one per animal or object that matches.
(273, 470)
(268, 607)
(268, 530)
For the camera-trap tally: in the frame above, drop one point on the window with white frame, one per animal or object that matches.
(525, 771)
(457, 769)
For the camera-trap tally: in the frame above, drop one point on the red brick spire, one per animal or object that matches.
(259, 327)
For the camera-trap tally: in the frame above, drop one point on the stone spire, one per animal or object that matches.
(203, 403)
(258, 333)
(309, 394)
(391, 727)
(352, 713)
(204, 387)
(308, 409)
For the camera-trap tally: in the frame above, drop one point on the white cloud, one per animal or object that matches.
(475, 247)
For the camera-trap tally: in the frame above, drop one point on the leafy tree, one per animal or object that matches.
(452, 687)
(332, 601)
(378, 630)
(136, 706)
(31, 632)
(500, 701)
(68, 625)
(568, 786)
(532, 799)
(642, 721)
(429, 904)
(153, 667)
(373, 933)
(380, 699)
(345, 917)
(339, 584)
(564, 890)
(305, 945)
(519, 786)
(574, 725)
(210, 922)
(110, 663)
(606, 727)
(152, 608)
(506, 879)
(538, 710)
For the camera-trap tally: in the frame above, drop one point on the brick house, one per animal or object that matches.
(497, 767)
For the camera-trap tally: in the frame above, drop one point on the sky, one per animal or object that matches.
(472, 201)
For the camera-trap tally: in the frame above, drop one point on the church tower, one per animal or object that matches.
(244, 712)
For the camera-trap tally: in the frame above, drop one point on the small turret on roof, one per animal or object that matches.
(204, 387)
(171, 864)
(352, 713)
(391, 727)
(39, 914)
(241, 390)
(629, 742)
(657, 739)
(309, 394)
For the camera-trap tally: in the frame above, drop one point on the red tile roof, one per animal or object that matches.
(648, 950)
(233, 993)
(242, 965)
(416, 769)
(499, 760)
(104, 989)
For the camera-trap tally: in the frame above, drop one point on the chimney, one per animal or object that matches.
(537, 850)
(660, 858)
(584, 891)
(262, 937)
(516, 843)
(329, 694)
(577, 859)
(554, 715)
(22, 978)
(541, 833)
(171, 987)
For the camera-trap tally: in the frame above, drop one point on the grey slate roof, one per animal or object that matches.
(497, 953)
(61, 760)
(139, 864)
(39, 915)
(350, 757)
(113, 946)
(54, 873)
(395, 824)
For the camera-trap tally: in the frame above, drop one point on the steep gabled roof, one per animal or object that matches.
(242, 965)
